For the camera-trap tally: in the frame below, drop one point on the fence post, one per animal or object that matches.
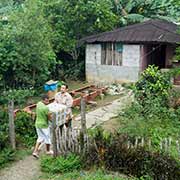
(83, 122)
(54, 134)
(11, 124)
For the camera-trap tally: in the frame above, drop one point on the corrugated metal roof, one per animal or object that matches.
(152, 31)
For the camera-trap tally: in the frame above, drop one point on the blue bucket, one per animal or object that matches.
(51, 87)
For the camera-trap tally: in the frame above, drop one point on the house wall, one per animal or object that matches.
(129, 71)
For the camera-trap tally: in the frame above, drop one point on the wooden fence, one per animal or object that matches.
(69, 139)
(166, 144)
(12, 135)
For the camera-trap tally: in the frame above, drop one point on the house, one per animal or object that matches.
(122, 54)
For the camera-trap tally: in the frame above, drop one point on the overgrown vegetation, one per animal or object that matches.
(25, 129)
(111, 151)
(39, 41)
(19, 96)
(25, 135)
(38, 36)
(94, 174)
(6, 154)
(61, 164)
(151, 115)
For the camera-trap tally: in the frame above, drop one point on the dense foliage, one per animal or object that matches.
(152, 85)
(131, 11)
(26, 53)
(36, 36)
(111, 152)
(25, 130)
(61, 164)
(19, 96)
(152, 115)
(25, 135)
(3, 128)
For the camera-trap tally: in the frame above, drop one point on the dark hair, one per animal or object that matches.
(65, 85)
(44, 96)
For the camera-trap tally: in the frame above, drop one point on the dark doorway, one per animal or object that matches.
(156, 55)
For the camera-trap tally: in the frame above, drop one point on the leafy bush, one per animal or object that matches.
(6, 155)
(18, 95)
(3, 128)
(153, 84)
(26, 56)
(61, 164)
(25, 135)
(151, 115)
(25, 129)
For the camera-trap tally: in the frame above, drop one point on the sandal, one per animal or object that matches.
(35, 155)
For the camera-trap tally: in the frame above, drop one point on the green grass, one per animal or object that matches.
(22, 153)
(76, 84)
(86, 175)
(100, 102)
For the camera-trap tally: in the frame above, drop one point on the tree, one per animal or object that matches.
(26, 54)
(131, 11)
(72, 20)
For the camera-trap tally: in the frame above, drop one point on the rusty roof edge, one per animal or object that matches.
(152, 22)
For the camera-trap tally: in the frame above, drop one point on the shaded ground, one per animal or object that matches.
(26, 169)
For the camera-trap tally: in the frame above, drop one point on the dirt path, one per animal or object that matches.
(105, 113)
(26, 169)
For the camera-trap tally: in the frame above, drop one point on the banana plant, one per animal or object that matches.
(132, 11)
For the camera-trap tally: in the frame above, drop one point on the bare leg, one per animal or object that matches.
(48, 151)
(47, 147)
(37, 147)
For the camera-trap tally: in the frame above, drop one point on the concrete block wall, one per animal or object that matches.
(131, 55)
(128, 72)
(93, 54)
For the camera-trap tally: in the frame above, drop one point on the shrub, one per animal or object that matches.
(153, 84)
(61, 164)
(115, 156)
(6, 155)
(3, 128)
(18, 95)
(25, 129)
